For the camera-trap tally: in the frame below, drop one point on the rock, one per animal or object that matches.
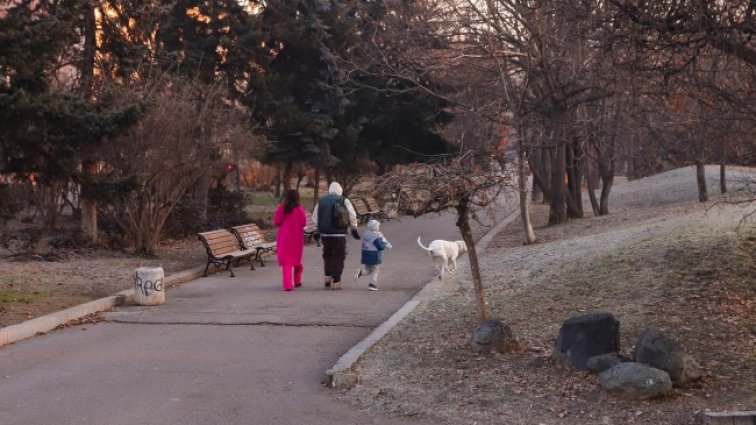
(583, 337)
(656, 350)
(602, 362)
(636, 381)
(492, 336)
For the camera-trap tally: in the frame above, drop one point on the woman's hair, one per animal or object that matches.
(291, 200)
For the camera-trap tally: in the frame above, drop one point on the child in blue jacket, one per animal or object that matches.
(373, 242)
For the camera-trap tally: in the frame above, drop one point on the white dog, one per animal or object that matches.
(444, 254)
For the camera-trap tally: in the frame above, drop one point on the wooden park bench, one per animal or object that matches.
(251, 238)
(375, 211)
(361, 209)
(309, 229)
(223, 248)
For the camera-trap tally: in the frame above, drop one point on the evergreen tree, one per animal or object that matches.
(300, 95)
(399, 121)
(211, 39)
(46, 124)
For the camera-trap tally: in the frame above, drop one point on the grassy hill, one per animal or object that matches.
(660, 259)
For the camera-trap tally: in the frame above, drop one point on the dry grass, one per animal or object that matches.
(650, 263)
(31, 287)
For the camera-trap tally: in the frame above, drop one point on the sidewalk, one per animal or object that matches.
(221, 350)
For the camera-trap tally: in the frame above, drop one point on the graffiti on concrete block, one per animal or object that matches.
(148, 287)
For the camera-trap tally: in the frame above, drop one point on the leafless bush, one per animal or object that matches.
(164, 155)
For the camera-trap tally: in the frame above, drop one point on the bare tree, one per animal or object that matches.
(163, 156)
(454, 185)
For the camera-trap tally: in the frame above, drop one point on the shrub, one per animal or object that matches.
(14, 198)
(225, 208)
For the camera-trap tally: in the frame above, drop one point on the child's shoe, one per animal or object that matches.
(358, 274)
(372, 287)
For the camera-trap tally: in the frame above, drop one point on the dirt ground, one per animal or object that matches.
(660, 259)
(49, 280)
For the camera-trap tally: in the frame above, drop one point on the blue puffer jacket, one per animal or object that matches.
(372, 245)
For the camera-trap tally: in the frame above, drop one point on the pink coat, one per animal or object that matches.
(290, 236)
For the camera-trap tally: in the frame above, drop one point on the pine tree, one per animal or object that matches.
(300, 95)
(46, 124)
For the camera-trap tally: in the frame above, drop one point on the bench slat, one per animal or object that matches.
(251, 238)
(222, 247)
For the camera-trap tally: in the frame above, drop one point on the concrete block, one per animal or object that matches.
(729, 418)
(340, 380)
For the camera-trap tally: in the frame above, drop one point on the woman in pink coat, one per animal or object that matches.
(290, 218)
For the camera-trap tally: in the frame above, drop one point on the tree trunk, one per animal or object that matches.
(557, 201)
(86, 68)
(536, 192)
(574, 196)
(703, 195)
(463, 223)
(591, 188)
(722, 179)
(534, 161)
(88, 225)
(547, 159)
(522, 178)
(316, 187)
(630, 159)
(557, 198)
(278, 182)
(606, 188)
(606, 164)
(540, 165)
(287, 175)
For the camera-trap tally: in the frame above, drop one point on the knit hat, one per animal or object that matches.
(335, 188)
(373, 225)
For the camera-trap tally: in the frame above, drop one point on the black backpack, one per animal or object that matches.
(340, 215)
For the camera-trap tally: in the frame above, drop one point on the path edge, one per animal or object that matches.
(44, 324)
(342, 375)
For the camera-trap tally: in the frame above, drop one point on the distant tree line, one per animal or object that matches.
(129, 107)
(587, 88)
(582, 89)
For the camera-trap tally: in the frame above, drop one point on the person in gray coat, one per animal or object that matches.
(332, 236)
(373, 243)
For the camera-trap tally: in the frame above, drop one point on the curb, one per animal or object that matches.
(729, 418)
(342, 374)
(48, 322)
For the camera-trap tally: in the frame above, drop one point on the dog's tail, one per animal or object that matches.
(421, 245)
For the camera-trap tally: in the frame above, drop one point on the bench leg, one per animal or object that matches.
(258, 257)
(251, 263)
(206, 267)
(229, 268)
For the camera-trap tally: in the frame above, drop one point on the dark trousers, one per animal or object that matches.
(334, 254)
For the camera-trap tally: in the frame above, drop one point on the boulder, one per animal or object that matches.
(636, 381)
(656, 350)
(602, 362)
(492, 336)
(583, 337)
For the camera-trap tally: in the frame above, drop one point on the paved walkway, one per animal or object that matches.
(221, 350)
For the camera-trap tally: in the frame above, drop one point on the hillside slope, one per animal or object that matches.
(660, 259)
